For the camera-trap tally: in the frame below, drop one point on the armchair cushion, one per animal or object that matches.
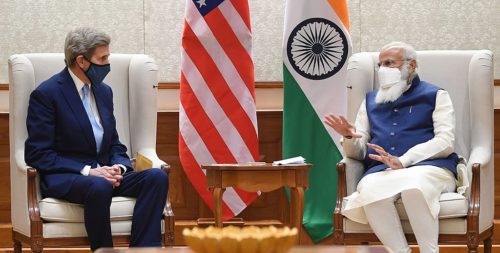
(57, 210)
(73, 229)
(452, 205)
(455, 226)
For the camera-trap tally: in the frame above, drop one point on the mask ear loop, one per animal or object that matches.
(82, 69)
(90, 65)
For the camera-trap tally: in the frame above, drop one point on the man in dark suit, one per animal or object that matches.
(74, 144)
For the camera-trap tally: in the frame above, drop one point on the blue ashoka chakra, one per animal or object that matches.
(317, 48)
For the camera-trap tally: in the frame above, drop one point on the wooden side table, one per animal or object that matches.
(265, 178)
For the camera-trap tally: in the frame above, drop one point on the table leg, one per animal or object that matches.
(297, 207)
(217, 197)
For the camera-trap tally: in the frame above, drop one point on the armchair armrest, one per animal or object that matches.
(480, 194)
(349, 172)
(147, 158)
(20, 162)
(168, 214)
(353, 172)
(166, 168)
(33, 208)
(338, 224)
(474, 202)
(151, 154)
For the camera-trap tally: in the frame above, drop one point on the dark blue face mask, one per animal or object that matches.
(96, 73)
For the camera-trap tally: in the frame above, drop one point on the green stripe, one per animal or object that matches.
(304, 134)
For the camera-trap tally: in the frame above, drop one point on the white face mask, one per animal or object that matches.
(388, 77)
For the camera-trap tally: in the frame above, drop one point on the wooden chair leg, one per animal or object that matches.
(36, 244)
(17, 246)
(472, 248)
(487, 245)
(169, 230)
(168, 217)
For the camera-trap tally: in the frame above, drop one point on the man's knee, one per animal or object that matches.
(411, 194)
(100, 188)
(156, 177)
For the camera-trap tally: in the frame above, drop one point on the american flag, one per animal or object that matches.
(217, 114)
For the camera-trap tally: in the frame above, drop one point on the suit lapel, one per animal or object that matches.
(74, 101)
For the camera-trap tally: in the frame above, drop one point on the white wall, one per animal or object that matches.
(154, 27)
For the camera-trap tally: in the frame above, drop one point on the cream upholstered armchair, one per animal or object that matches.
(52, 222)
(468, 77)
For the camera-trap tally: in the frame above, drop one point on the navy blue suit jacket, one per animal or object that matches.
(60, 138)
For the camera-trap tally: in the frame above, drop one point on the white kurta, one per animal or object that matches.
(430, 180)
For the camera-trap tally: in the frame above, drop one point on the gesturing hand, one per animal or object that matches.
(384, 157)
(342, 126)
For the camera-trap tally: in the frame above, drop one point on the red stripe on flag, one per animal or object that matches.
(247, 197)
(232, 46)
(203, 125)
(198, 178)
(244, 11)
(220, 89)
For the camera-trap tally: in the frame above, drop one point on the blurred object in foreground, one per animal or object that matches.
(233, 239)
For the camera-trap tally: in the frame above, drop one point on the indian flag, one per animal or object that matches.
(316, 47)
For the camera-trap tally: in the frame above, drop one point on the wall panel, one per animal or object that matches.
(155, 27)
(31, 26)
(4, 169)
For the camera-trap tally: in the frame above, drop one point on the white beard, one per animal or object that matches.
(392, 93)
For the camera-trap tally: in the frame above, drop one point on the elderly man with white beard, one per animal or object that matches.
(404, 133)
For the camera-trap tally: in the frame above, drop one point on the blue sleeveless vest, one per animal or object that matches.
(398, 126)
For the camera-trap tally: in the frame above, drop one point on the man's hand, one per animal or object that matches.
(342, 126)
(117, 171)
(384, 157)
(112, 174)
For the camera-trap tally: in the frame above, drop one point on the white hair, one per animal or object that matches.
(83, 41)
(409, 52)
